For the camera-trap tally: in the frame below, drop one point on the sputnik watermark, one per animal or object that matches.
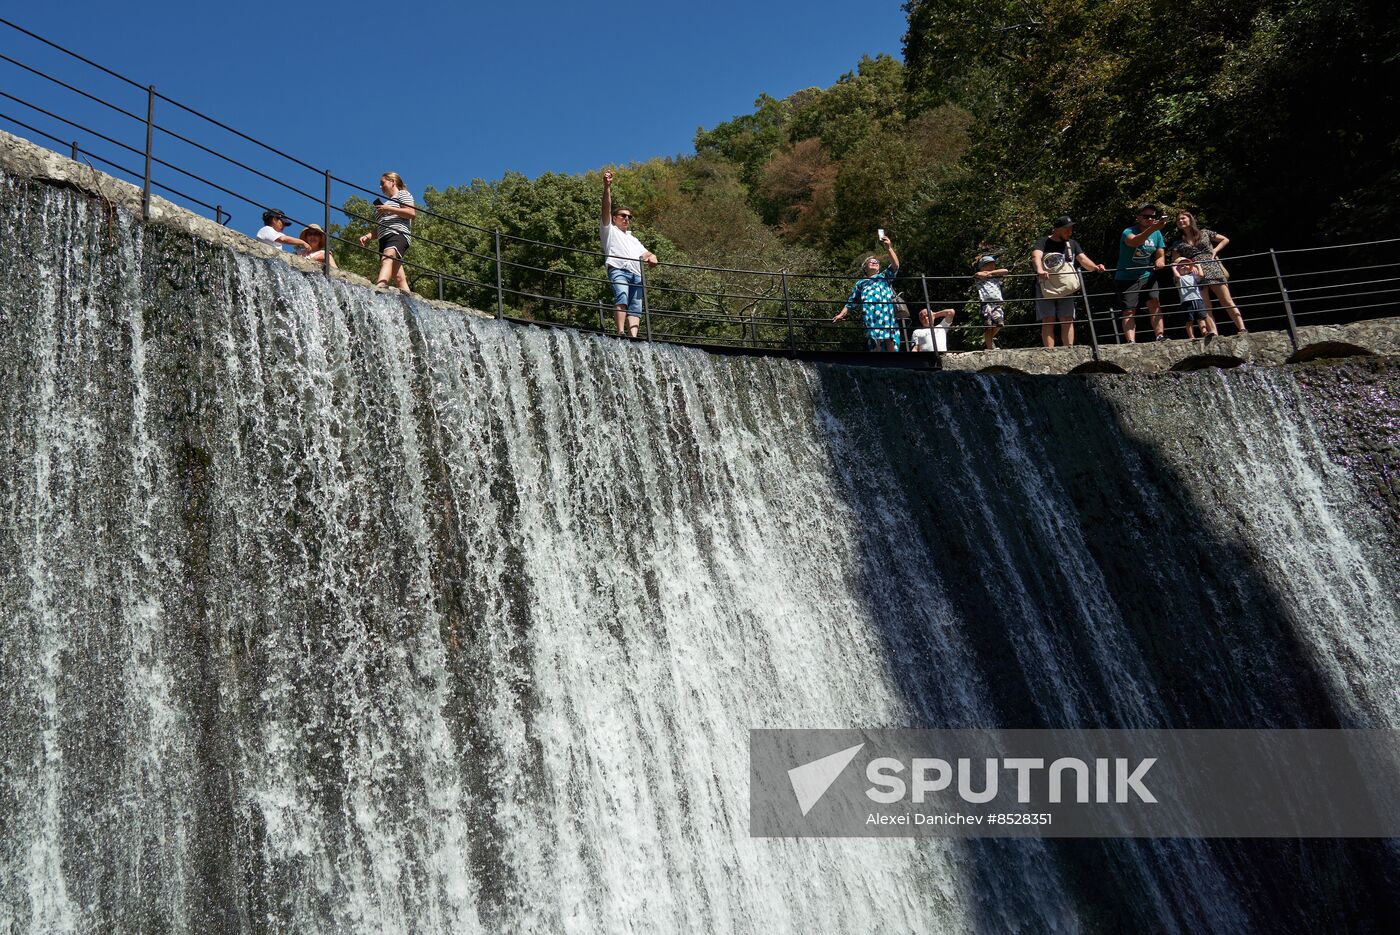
(1075, 783)
(1113, 782)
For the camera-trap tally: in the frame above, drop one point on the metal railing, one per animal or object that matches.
(771, 311)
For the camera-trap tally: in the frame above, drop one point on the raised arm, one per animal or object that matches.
(607, 198)
(894, 257)
(1138, 239)
(989, 273)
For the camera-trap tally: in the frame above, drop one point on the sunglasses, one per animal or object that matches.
(625, 217)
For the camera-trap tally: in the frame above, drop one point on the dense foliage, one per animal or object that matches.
(1276, 120)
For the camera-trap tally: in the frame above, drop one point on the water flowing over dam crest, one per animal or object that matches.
(334, 612)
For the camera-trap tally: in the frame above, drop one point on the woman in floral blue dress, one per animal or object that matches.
(874, 295)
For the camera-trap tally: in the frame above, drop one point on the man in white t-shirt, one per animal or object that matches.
(622, 251)
(932, 337)
(271, 231)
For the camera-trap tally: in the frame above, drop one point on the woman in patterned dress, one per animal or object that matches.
(874, 294)
(1203, 247)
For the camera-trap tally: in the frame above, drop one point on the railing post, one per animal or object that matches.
(1089, 314)
(326, 253)
(923, 283)
(218, 214)
(646, 304)
(75, 150)
(150, 133)
(500, 290)
(439, 278)
(1287, 303)
(787, 306)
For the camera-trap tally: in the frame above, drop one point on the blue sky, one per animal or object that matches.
(440, 92)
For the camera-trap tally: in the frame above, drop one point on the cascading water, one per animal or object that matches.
(327, 611)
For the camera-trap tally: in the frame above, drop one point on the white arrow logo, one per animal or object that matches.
(811, 780)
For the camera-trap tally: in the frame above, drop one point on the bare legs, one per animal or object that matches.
(1047, 331)
(1222, 293)
(391, 270)
(629, 321)
(1154, 317)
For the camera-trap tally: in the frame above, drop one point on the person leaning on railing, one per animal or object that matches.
(987, 279)
(394, 227)
(1057, 284)
(874, 294)
(622, 250)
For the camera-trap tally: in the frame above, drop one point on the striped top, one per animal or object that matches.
(392, 223)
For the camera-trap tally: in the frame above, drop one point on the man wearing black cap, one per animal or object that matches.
(1057, 285)
(271, 232)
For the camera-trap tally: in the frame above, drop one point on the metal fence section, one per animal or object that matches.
(520, 278)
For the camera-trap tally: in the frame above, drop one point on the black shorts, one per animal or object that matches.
(1128, 294)
(396, 240)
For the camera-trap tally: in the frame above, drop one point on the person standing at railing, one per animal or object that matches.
(274, 222)
(1203, 247)
(394, 228)
(989, 295)
(1057, 285)
(622, 251)
(874, 295)
(1189, 286)
(1142, 255)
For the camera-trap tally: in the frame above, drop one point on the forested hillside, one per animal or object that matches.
(1276, 120)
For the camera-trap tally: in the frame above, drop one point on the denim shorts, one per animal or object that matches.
(627, 289)
(1195, 309)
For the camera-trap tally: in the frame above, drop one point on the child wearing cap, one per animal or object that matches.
(988, 280)
(1188, 283)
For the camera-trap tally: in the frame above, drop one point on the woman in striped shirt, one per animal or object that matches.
(394, 227)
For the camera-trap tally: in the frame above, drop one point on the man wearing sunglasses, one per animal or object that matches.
(1142, 253)
(623, 251)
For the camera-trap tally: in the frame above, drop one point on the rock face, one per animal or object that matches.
(329, 611)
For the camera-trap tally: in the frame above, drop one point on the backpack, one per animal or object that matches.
(1064, 278)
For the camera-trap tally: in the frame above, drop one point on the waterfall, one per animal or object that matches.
(334, 611)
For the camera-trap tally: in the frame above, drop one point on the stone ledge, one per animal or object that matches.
(1261, 348)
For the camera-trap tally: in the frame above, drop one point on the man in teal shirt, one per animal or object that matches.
(1142, 252)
